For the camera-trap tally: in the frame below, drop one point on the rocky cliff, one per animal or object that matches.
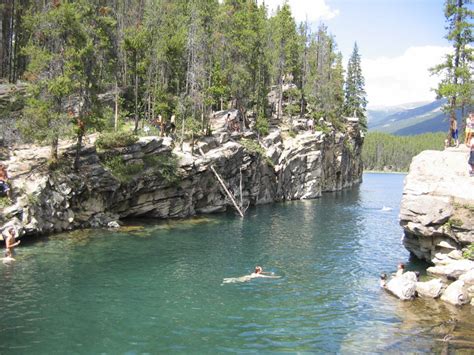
(437, 216)
(162, 180)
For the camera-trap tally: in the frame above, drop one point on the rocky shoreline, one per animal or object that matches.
(437, 216)
(256, 171)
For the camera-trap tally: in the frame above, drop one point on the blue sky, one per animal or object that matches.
(387, 27)
(397, 39)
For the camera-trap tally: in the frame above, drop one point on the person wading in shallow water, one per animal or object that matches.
(9, 236)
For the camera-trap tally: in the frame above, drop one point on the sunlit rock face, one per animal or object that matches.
(279, 169)
(437, 208)
(437, 215)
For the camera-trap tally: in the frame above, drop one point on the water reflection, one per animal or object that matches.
(157, 287)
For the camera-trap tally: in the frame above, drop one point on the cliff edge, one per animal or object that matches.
(437, 216)
(156, 178)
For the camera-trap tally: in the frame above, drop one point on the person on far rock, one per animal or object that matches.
(383, 280)
(471, 157)
(469, 128)
(453, 128)
(311, 125)
(400, 269)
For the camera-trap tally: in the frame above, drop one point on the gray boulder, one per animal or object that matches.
(403, 287)
(456, 294)
(430, 289)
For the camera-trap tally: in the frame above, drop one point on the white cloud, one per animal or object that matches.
(403, 79)
(313, 10)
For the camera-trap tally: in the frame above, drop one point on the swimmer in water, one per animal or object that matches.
(258, 272)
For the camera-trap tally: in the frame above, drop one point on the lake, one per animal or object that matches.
(157, 287)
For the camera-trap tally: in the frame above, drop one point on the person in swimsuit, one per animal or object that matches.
(10, 242)
(258, 272)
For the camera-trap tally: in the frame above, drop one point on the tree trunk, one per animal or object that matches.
(80, 136)
(136, 95)
(116, 111)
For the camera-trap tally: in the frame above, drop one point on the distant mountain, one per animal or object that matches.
(405, 120)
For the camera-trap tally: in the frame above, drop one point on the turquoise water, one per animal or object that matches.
(157, 287)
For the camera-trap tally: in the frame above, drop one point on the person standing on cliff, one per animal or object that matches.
(471, 157)
(453, 128)
(469, 128)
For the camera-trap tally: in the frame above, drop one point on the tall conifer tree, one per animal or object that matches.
(355, 95)
(456, 84)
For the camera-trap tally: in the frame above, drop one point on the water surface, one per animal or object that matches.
(157, 287)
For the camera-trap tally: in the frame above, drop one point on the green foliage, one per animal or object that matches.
(293, 94)
(33, 199)
(124, 172)
(69, 51)
(261, 125)
(108, 140)
(254, 147)
(292, 110)
(455, 222)
(165, 165)
(4, 202)
(382, 150)
(456, 70)
(468, 252)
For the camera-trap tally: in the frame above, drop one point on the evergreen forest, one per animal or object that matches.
(97, 65)
(387, 152)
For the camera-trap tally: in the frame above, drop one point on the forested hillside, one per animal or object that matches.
(92, 65)
(386, 152)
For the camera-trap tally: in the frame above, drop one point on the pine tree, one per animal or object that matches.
(355, 96)
(67, 63)
(456, 84)
(285, 49)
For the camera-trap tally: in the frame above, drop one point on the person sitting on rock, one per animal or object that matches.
(383, 280)
(400, 269)
(4, 186)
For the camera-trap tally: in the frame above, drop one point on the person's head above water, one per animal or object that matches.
(258, 269)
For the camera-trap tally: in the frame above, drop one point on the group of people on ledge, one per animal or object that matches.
(468, 138)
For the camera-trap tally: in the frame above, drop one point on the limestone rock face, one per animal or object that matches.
(436, 210)
(302, 167)
(437, 216)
